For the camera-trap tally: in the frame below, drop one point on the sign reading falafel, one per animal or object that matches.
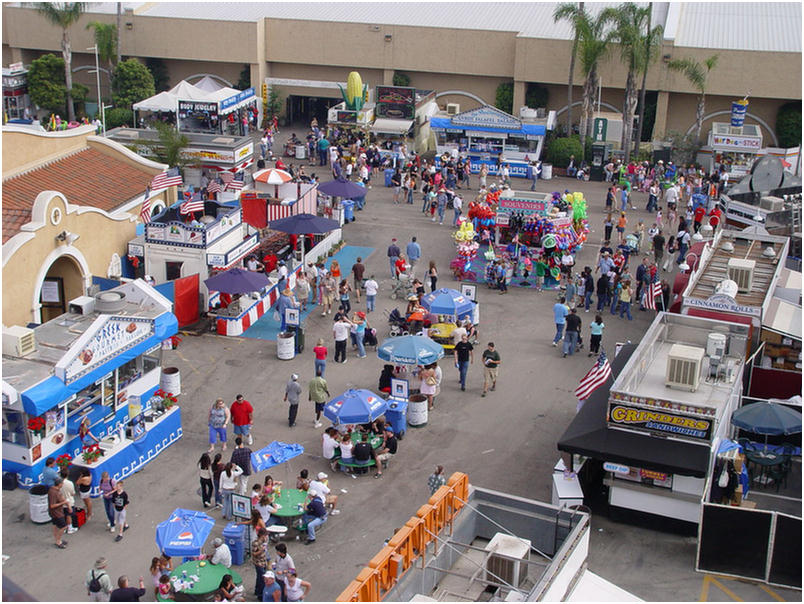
(659, 421)
(106, 338)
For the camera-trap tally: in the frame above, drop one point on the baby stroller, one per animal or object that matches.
(397, 323)
(402, 287)
(632, 241)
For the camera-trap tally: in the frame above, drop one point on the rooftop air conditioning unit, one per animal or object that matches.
(18, 341)
(742, 273)
(684, 367)
(82, 305)
(771, 203)
(453, 108)
(514, 572)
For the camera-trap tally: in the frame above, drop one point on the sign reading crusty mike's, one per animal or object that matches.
(668, 424)
(395, 102)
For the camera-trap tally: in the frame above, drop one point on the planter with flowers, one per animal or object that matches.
(36, 426)
(64, 460)
(91, 454)
(162, 400)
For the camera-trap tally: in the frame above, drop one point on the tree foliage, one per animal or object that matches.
(536, 95)
(504, 97)
(133, 82)
(788, 125)
(684, 147)
(401, 79)
(559, 150)
(119, 116)
(159, 72)
(244, 81)
(697, 74)
(105, 35)
(46, 83)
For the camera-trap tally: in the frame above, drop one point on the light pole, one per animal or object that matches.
(97, 81)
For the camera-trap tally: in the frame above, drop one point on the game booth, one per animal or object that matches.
(486, 135)
(84, 388)
(527, 232)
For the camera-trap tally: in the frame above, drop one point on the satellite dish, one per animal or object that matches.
(767, 174)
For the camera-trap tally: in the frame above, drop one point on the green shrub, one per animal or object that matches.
(788, 125)
(559, 150)
(119, 116)
(504, 98)
(536, 95)
(401, 79)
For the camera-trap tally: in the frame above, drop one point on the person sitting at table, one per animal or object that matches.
(377, 426)
(302, 480)
(270, 485)
(418, 288)
(267, 510)
(346, 453)
(315, 516)
(165, 589)
(329, 443)
(416, 317)
(321, 487)
(222, 555)
(385, 378)
(256, 494)
(229, 591)
(386, 451)
(362, 451)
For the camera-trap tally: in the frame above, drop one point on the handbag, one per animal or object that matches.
(431, 380)
(723, 481)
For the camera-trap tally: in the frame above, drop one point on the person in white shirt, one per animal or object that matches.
(458, 332)
(253, 264)
(68, 492)
(340, 332)
(364, 173)
(265, 509)
(328, 443)
(457, 204)
(222, 555)
(320, 487)
(372, 287)
(284, 563)
(227, 485)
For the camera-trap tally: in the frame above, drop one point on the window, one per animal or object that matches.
(14, 427)
(172, 270)
(90, 394)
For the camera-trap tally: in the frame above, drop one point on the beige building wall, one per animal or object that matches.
(32, 149)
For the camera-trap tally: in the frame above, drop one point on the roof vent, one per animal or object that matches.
(453, 108)
(109, 302)
(18, 341)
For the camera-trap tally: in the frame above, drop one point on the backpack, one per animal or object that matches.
(95, 584)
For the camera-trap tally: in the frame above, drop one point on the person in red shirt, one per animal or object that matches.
(714, 217)
(320, 352)
(269, 262)
(242, 417)
(700, 212)
(401, 266)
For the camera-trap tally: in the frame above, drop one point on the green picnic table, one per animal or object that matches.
(209, 578)
(290, 500)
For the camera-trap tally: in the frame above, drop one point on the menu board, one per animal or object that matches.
(395, 102)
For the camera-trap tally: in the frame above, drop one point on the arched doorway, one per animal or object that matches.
(64, 281)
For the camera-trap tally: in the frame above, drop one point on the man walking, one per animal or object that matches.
(491, 362)
(358, 269)
(340, 331)
(414, 252)
(658, 247)
(242, 419)
(683, 242)
(464, 356)
(318, 393)
(441, 200)
(372, 287)
(573, 332)
(292, 393)
(241, 456)
(393, 256)
(457, 205)
(560, 312)
(99, 585)
(259, 558)
(56, 503)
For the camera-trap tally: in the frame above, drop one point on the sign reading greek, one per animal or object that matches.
(658, 421)
(489, 117)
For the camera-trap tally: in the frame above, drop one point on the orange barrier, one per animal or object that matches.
(409, 543)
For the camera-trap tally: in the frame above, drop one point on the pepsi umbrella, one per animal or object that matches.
(237, 281)
(183, 533)
(342, 188)
(447, 301)
(767, 418)
(274, 454)
(410, 350)
(355, 407)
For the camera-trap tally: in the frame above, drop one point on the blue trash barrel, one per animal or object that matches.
(389, 173)
(397, 414)
(348, 210)
(234, 535)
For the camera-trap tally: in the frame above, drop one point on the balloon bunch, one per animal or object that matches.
(465, 241)
(481, 216)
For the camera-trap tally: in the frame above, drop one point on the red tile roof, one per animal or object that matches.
(87, 178)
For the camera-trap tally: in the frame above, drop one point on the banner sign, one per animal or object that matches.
(237, 252)
(616, 468)
(600, 129)
(660, 421)
(346, 117)
(724, 303)
(737, 143)
(395, 102)
(487, 117)
(521, 204)
(233, 100)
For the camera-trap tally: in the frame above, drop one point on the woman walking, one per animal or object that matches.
(343, 291)
(219, 417)
(205, 477)
(596, 328)
(107, 488)
(433, 274)
(361, 323)
(608, 225)
(428, 384)
(217, 468)
(320, 352)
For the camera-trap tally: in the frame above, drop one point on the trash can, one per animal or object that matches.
(388, 175)
(298, 337)
(396, 414)
(547, 171)
(301, 151)
(417, 410)
(170, 380)
(348, 210)
(234, 535)
(37, 504)
(285, 345)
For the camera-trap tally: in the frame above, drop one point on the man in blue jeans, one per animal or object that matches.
(560, 312)
(463, 357)
(573, 331)
(393, 256)
(315, 516)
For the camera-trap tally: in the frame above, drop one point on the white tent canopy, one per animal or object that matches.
(168, 100)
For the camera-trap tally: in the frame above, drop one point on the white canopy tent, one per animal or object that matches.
(168, 100)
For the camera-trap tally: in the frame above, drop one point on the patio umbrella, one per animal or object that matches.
(447, 301)
(341, 188)
(237, 281)
(767, 418)
(183, 533)
(274, 454)
(272, 176)
(301, 224)
(355, 407)
(410, 350)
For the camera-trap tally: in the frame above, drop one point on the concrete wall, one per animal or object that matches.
(32, 148)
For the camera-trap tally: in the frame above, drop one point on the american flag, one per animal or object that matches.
(236, 183)
(168, 178)
(145, 212)
(194, 204)
(653, 292)
(225, 176)
(214, 186)
(596, 377)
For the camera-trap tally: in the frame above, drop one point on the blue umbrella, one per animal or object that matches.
(301, 224)
(183, 533)
(767, 418)
(341, 188)
(410, 350)
(274, 454)
(447, 301)
(237, 281)
(355, 407)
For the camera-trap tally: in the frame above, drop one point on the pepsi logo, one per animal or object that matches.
(185, 535)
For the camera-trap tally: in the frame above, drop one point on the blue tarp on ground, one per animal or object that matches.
(274, 454)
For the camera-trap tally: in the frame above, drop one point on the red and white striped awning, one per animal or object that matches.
(275, 212)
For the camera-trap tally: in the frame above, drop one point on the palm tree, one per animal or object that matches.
(697, 74)
(569, 11)
(652, 40)
(63, 15)
(106, 39)
(593, 46)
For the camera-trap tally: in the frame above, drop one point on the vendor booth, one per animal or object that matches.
(734, 148)
(489, 136)
(99, 364)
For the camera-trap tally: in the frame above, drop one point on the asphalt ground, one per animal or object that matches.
(506, 441)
